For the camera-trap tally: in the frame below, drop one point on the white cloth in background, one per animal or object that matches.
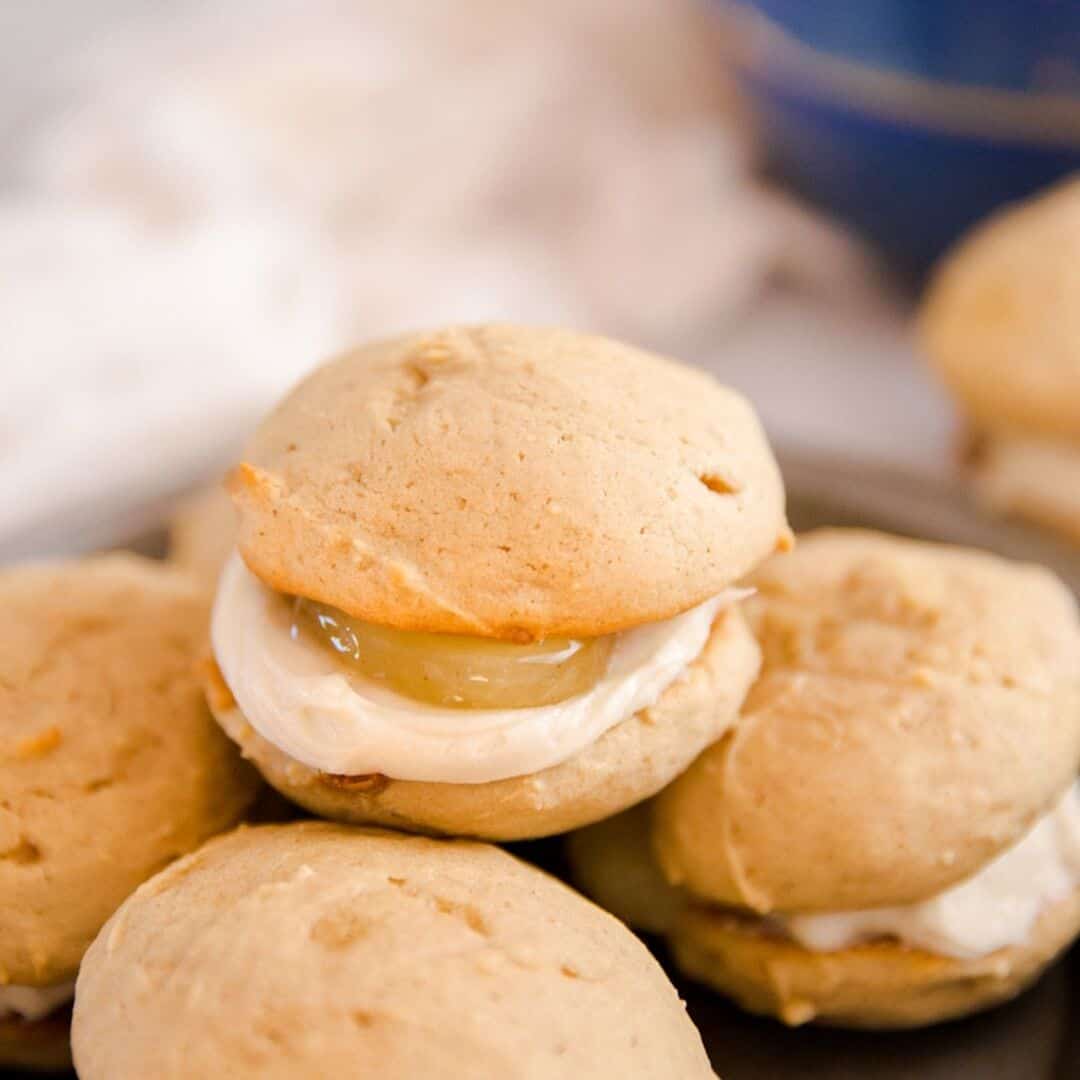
(237, 191)
(132, 362)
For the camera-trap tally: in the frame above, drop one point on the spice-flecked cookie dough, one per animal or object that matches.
(1001, 324)
(110, 767)
(897, 803)
(871, 984)
(879, 983)
(484, 580)
(303, 950)
(612, 863)
(202, 534)
(890, 833)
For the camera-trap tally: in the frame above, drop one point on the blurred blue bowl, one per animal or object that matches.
(912, 119)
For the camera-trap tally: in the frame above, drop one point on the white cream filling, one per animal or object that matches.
(296, 695)
(1021, 472)
(34, 1002)
(995, 908)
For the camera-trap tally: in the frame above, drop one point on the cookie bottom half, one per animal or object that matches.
(627, 764)
(881, 984)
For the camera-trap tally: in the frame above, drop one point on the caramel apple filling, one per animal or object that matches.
(453, 670)
(348, 698)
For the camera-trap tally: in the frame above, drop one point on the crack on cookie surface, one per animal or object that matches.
(24, 853)
(718, 484)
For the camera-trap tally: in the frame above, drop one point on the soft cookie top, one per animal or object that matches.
(321, 950)
(110, 764)
(508, 482)
(918, 710)
(1001, 321)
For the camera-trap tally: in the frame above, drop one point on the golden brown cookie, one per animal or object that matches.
(482, 580)
(508, 482)
(110, 764)
(1028, 477)
(202, 534)
(612, 863)
(881, 984)
(304, 950)
(1000, 320)
(918, 710)
(877, 983)
(630, 762)
(1001, 325)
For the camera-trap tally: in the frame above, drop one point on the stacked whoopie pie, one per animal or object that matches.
(110, 767)
(202, 534)
(484, 578)
(1001, 325)
(890, 834)
(485, 587)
